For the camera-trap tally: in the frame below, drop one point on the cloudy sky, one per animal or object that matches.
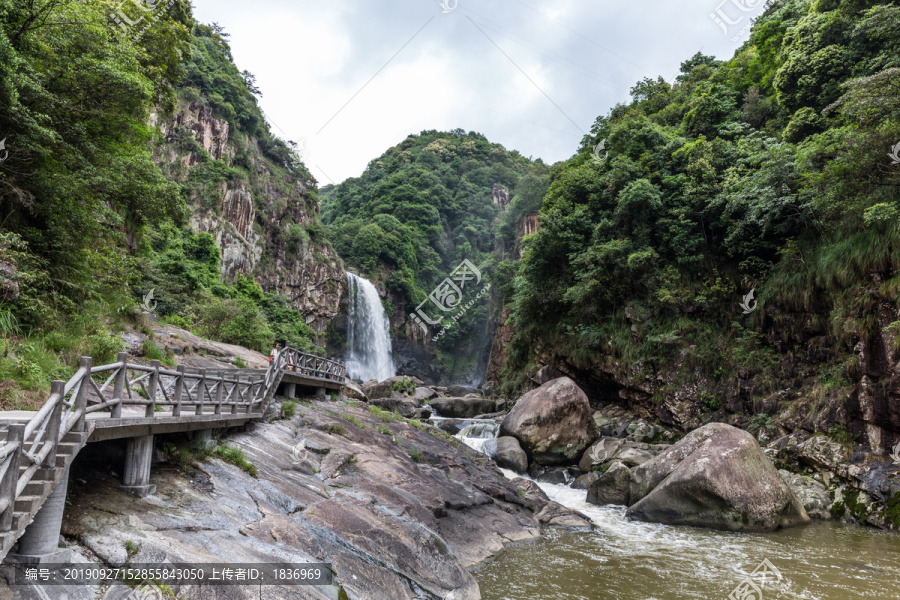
(352, 78)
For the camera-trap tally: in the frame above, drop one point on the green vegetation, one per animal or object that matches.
(132, 548)
(94, 207)
(240, 363)
(334, 428)
(761, 421)
(353, 420)
(288, 409)
(766, 172)
(384, 430)
(842, 435)
(235, 456)
(404, 386)
(422, 208)
(416, 455)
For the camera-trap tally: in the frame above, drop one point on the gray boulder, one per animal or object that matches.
(461, 390)
(353, 391)
(613, 487)
(717, 477)
(814, 495)
(553, 422)
(424, 393)
(462, 408)
(383, 389)
(507, 453)
(406, 406)
(584, 482)
(632, 454)
(600, 451)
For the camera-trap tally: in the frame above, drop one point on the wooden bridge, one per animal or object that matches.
(133, 401)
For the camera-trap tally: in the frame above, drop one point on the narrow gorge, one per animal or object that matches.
(633, 333)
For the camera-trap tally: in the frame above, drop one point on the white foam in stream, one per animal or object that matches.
(644, 561)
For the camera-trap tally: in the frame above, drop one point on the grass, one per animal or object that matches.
(151, 351)
(240, 363)
(334, 428)
(132, 548)
(842, 435)
(384, 430)
(288, 409)
(416, 455)
(235, 456)
(405, 386)
(353, 421)
(381, 414)
(761, 421)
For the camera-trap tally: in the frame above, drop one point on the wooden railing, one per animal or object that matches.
(311, 366)
(110, 388)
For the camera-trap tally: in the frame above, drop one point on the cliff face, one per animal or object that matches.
(249, 216)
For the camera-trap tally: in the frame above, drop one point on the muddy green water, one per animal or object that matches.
(623, 560)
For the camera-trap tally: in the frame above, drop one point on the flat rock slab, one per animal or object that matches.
(399, 511)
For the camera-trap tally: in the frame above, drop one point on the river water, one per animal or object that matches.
(630, 560)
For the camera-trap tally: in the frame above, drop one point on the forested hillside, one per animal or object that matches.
(139, 161)
(769, 172)
(418, 211)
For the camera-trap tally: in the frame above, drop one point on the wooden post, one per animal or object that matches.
(16, 435)
(51, 434)
(119, 386)
(179, 391)
(201, 390)
(154, 386)
(81, 398)
(236, 396)
(220, 391)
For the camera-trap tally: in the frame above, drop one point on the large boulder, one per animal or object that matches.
(553, 422)
(613, 487)
(353, 391)
(462, 390)
(424, 394)
(383, 389)
(462, 408)
(718, 477)
(633, 454)
(507, 453)
(407, 407)
(584, 481)
(600, 451)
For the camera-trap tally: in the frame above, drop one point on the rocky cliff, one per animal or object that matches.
(263, 219)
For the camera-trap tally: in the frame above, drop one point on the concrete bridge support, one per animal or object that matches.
(40, 542)
(290, 390)
(138, 458)
(321, 393)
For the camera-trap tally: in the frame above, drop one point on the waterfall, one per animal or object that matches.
(369, 344)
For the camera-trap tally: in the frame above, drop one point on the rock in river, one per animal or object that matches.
(612, 487)
(463, 408)
(507, 453)
(718, 477)
(553, 422)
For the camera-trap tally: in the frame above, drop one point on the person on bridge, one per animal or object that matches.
(274, 353)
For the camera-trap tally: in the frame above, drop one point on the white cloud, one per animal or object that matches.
(310, 57)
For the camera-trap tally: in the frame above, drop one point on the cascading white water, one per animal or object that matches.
(369, 341)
